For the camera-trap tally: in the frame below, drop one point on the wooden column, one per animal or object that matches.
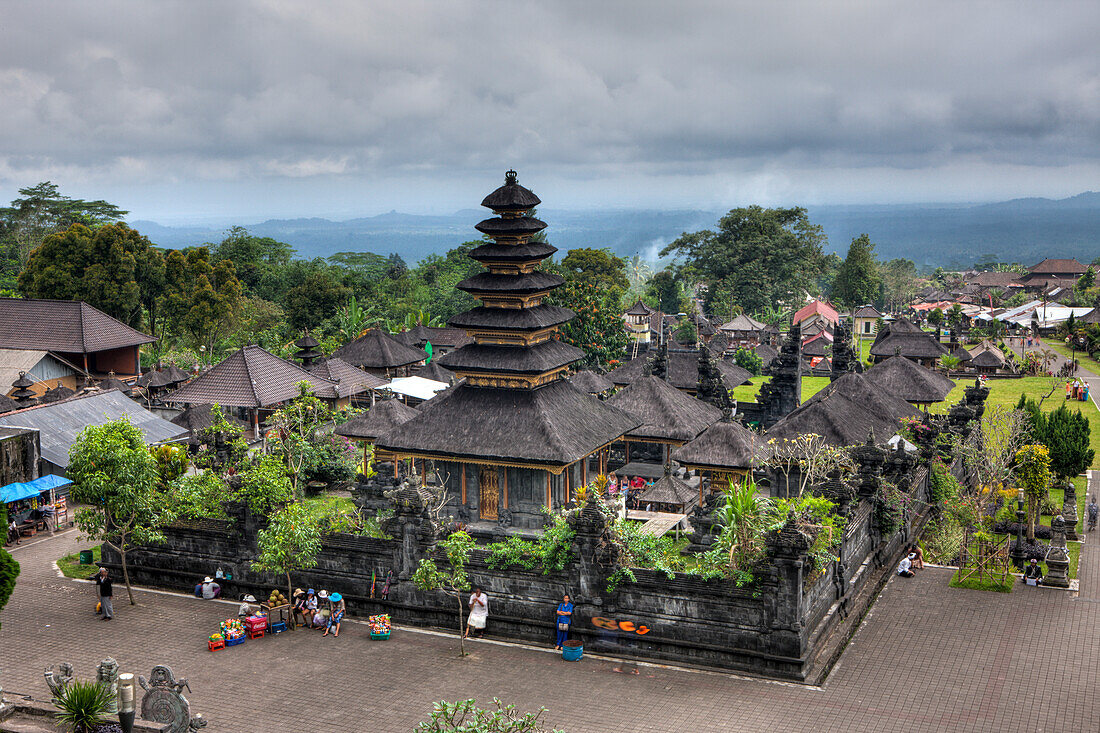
(423, 472)
(627, 443)
(505, 492)
(549, 495)
(463, 469)
(584, 471)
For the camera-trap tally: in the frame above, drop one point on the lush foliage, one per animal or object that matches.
(816, 516)
(300, 437)
(858, 281)
(452, 579)
(464, 716)
(1033, 476)
(290, 542)
(550, 553)
(83, 704)
(264, 486)
(749, 360)
(200, 495)
(116, 477)
(9, 571)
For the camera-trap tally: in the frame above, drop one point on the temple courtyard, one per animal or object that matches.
(926, 658)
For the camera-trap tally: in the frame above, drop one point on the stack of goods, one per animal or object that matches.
(379, 626)
(256, 625)
(217, 637)
(232, 631)
(276, 598)
(215, 642)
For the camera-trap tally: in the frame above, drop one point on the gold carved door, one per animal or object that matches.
(488, 493)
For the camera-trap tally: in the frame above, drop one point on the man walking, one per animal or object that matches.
(104, 586)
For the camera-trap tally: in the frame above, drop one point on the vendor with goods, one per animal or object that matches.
(246, 608)
(232, 631)
(321, 614)
(298, 607)
(379, 626)
(309, 607)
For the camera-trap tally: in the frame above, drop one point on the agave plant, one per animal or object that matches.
(82, 705)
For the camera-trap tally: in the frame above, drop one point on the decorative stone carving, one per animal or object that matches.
(870, 459)
(1069, 511)
(411, 524)
(844, 356)
(164, 701)
(107, 675)
(58, 682)
(783, 393)
(711, 389)
(1057, 558)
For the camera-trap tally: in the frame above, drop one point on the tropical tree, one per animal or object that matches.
(1033, 476)
(202, 298)
(935, 317)
(116, 477)
(297, 437)
(858, 280)
(452, 580)
(1066, 436)
(9, 570)
(290, 543)
(745, 516)
(41, 210)
(667, 292)
(950, 362)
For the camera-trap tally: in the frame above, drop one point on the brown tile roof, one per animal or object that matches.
(994, 279)
(251, 377)
(1056, 267)
(378, 350)
(352, 380)
(68, 326)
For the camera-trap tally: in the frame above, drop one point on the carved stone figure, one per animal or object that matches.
(107, 675)
(58, 682)
(1057, 558)
(164, 701)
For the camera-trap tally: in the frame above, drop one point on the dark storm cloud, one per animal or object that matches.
(191, 91)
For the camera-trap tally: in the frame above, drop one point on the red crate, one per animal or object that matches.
(252, 623)
(256, 632)
(215, 645)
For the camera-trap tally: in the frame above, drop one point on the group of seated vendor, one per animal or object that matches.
(23, 517)
(322, 610)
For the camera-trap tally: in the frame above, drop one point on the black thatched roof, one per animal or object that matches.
(515, 227)
(383, 417)
(419, 335)
(683, 371)
(906, 339)
(1093, 316)
(511, 196)
(497, 358)
(519, 319)
(251, 377)
(639, 309)
(961, 353)
(816, 346)
(666, 412)
(432, 370)
(175, 374)
(154, 378)
(7, 404)
(499, 282)
(590, 382)
(200, 417)
(845, 412)
(910, 381)
(493, 252)
(554, 425)
(988, 356)
(766, 352)
(378, 350)
(58, 393)
(669, 490)
(722, 446)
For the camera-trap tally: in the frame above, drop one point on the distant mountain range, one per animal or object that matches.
(1022, 230)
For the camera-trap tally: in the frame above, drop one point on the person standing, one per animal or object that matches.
(479, 613)
(103, 586)
(564, 618)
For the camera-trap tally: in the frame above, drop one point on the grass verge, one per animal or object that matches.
(997, 586)
(70, 565)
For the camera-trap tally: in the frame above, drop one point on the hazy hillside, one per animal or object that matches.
(1024, 230)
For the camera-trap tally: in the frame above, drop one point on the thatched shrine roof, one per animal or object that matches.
(722, 446)
(988, 356)
(903, 338)
(590, 382)
(378, 350)
(554, 425)
(383, 417)
(667, 414)
(433, 371)
(683, 371)
(669, 490)
(910, 381)
(420, 334)
(845, 412)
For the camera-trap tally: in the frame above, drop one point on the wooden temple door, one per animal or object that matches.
(488, 493)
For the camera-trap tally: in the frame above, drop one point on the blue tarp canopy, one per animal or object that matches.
(27, 489)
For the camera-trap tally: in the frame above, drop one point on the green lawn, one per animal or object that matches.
(747, 391)
(70, 565)
(983, 584)
(1083, 359)
(1007, 392)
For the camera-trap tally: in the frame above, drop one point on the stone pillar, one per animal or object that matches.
(1017, 553)
(593, 551)
(1069, 511)
(788, 547)
(1057, 558)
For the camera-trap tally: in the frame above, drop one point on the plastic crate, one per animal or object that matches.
(256, 632)
(234, 642)
(277, 628)
(215, 645)
(380, 637)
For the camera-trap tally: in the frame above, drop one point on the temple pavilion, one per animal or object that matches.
(513, 437)
(914, 384)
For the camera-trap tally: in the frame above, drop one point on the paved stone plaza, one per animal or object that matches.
(927, 658)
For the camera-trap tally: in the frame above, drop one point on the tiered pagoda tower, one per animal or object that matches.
(513, 437)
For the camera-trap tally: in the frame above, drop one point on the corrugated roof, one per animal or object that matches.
(59, 423)
(13, 361)
(63, 325)
(251, 377)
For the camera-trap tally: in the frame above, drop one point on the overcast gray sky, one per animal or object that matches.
(207, 110)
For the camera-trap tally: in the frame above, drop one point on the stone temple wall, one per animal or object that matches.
(782, 626)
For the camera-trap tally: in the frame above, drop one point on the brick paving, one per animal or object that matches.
(927, 658)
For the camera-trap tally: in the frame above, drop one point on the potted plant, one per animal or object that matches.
(83, 705)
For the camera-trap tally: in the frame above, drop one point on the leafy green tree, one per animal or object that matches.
(256, 258)
(767, 256)
(290, 543)
(935, 317)
(315, 300)
(1033, 476)
(41, 210)
(1066, 435)
(298, 428)
(258, 321)
(686, 332)
(465, 715)
(453, 580)
(116, 477)
(667, 291)
(9, 571)
(111, 267)
(202, 298)
(598, 326)
(595, 268)
(899, 283)
(1087, 279)
(954, 316)
(749, 360)
(265, 486)
(201, 495)
(858, 281)
(439, 274)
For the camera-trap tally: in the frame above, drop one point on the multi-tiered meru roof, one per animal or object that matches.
(515, 406)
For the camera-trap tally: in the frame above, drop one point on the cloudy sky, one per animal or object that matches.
(204, 110)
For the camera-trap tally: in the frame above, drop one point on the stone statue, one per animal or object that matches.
(1057, 558)
(107, 675)
(61, 680)
(164, 701)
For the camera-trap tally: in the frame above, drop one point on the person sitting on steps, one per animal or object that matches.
(1033, 572)
(905, 566)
